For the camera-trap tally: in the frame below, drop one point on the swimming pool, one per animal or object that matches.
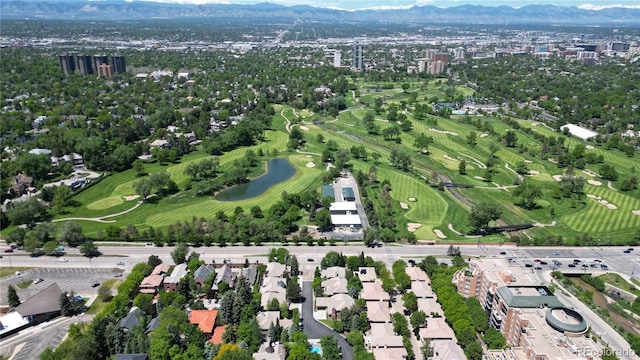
(316, 349)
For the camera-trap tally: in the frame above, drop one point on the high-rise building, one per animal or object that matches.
(423, 65)
(337, 58)
(99, 60)
(105, 70)
(67, 63)
(444, 57)
(430, 54)
(117, 61)
(436, 67)
(83, 61)
(358, 57)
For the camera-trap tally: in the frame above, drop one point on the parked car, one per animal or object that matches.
(538, 268)
(120, 262)
(543, 263)
(117, 275)
(63, 260)
(94, 285)
(528, 265)
(503, 253)
(8, 250)
(38, 281)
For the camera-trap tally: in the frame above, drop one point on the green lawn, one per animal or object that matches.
(6, 271)
(433, 209)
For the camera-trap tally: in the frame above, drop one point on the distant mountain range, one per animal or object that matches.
(466, 14)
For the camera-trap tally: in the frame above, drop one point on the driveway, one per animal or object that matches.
(315, 329)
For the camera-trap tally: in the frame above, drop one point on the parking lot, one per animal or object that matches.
(78, 280)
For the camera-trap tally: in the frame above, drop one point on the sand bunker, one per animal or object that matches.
(608, 204)
(528, 161)
(534, 172)
(484, 135)
(594, 182)
(589, 147)
(557, 177)
(439, 234)
(480, 178)
(445, 132)
(602, 202)
(130, 197)
(404, 205)
(412, 199)
(636, 212)
(413, 226)
(304, 128)
(310, 164)
(449, 157)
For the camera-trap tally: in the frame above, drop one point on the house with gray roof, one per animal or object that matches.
(250, 274)
(224, 274)
(42, 306)
(131, 319)
(202, 274)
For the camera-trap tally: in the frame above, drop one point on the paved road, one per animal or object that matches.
(315, 329)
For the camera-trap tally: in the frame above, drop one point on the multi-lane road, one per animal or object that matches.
(614, 257)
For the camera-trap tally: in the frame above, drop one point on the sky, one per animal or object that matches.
(388, 4)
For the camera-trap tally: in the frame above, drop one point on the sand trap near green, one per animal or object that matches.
(105, 203)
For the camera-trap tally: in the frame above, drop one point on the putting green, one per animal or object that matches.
(105, 203)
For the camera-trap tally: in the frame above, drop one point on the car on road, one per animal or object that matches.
(576, 261)
(528, 265)
(63, 260)
(117, 275)
(310, 259)
(627, 251)
(543, 263)
(38, 281)
(94, 285)
(538, 268)
(556, 253)
(630, 249)
(120, 262)
(571, 265)
(503, 253)
(9, 250)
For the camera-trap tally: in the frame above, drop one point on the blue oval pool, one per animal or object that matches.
(316, 349)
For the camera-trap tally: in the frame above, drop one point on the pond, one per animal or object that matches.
(278, 170)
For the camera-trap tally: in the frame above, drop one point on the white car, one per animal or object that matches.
(63, 260)
(38, 281)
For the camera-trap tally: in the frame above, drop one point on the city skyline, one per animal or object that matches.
(403, 4)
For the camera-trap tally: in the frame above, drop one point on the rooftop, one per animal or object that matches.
(343, 206)
(544, 340)
(501, 272)
(346, 220)
(179, 271)
(416, 274)
(160, 269)
(46, 301)
(367, 274)
(373, 291)
(335, 286)
(378, 311)
(579, 132)
(205, 319)
(528, 297)
(382, 335)
(437, 328)
(333, 272)
(338, 302)
(421, 289)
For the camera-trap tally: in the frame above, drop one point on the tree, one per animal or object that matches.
(422, 142)
(330, 348)
(529, 192)
(483, 213)
(462, 167)
(89, 249)
(71, 233)
(405, 86)
(293, 264)
(522, 168)
(66, 307)
(426, 349)
(294, 293)
(510, 139)
(410, 301)
(179, 254)
(27, 212)
(471, 138)
(473, 351)
(143, 187)
(417, 319)
(494, 339)
(323, 219)
(154, 261)
(14, 299)
(138, 167)
(608, 172)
